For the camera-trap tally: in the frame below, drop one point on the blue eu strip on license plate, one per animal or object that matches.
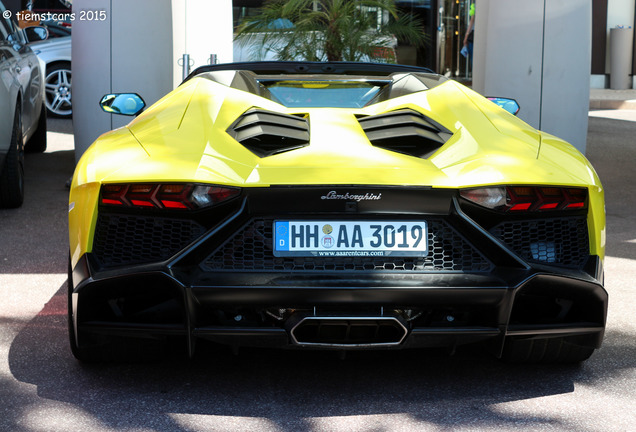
(350, 238)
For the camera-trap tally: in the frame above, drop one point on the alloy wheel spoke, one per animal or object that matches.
(66, 78)
(57, 102)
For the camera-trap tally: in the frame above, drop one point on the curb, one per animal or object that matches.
(613, 104)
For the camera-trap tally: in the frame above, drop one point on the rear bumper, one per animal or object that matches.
(265, 309)
(224, 285)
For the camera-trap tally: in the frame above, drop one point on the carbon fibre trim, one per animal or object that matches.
(132, 239)
(551, 241)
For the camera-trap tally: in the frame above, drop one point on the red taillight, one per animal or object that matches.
(205, 196)
(173, 204)
(528, 198)
(219, 194)
(113, 194)
(165, 196)
(576, 205)
(141, 203)
(549, 206)
(111, 201)
(175, 196)
(520, 206)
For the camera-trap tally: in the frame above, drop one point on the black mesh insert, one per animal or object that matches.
(556, 241)
(130, 239)
(250, 249)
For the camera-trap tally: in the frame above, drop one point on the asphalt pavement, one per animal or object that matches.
(43, 388)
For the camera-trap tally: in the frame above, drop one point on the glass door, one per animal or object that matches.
(454, 18)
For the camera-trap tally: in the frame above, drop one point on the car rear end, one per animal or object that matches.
(274, 208)
(219, 273)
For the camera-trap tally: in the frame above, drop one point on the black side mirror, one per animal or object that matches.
(510, 105)
(130, 104)
(36, 33)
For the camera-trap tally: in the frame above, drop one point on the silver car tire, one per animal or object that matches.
(57, 86)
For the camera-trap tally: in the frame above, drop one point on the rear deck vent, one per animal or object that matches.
(267, 133)
(405, 131)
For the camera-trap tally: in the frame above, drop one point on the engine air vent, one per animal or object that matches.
(405, 131)
(267, 133)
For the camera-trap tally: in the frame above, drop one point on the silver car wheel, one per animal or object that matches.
(58, 90)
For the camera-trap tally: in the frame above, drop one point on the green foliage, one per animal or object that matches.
(332, 30)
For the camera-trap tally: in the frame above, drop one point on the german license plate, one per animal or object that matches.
(350, 238)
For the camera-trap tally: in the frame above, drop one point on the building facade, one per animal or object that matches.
(446, 23)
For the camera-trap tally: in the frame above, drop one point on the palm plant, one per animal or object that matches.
(332, 30)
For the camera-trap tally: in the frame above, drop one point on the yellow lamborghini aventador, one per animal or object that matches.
(333, 206)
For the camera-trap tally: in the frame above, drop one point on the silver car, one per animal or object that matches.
(56, 54)
(22, 109)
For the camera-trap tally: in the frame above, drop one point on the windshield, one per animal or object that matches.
(318, 94)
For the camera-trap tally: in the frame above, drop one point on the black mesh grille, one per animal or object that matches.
(558, 241)
(250, 249)
(124, 239)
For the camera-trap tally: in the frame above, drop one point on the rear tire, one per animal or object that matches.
(12, 174)
(554, 350)
(82, 355)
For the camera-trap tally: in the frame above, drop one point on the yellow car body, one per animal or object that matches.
(184, 138)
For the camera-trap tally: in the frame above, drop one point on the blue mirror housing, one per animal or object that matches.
(130, 104)
(510, 105)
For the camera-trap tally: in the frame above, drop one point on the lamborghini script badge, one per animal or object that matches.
(333, 195)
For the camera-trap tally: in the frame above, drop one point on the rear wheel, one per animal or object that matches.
(83, 355)
(12, 174)
(554, 350)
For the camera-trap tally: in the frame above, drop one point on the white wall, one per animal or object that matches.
(140, 55)
(508, 53)
(91, 59)
(202, 27)
(539, 53)
(136, 49)
(117, 55)
(566, 70)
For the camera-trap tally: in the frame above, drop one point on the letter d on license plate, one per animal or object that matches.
(350, 238)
